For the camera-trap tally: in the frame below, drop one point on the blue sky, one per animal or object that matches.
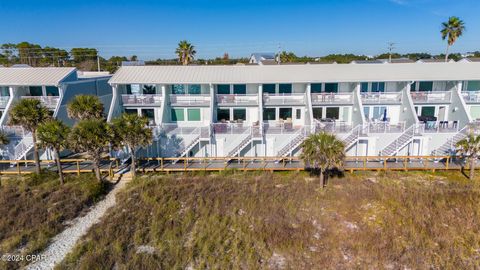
(151, 29)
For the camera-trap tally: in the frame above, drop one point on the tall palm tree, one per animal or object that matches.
(324, 151)
(133, 132)
(53, 135)
(30, 113)
(84, 107)
(186, 52)
(470, 148)
(451, 31)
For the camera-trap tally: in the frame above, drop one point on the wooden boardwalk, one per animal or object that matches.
(167, 165)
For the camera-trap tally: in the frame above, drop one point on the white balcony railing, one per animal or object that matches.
(236, 99)
(432, 97)
(142, 99)
(471, 96)
(3, 101)
(49, 101)
(333, 126)
(332, 98)
(190, 100)
(384, 127)
(382, 98)
(284, 99)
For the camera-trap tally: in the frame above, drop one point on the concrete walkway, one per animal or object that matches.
(63, 243)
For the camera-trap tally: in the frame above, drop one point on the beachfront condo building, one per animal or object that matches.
(381, 109)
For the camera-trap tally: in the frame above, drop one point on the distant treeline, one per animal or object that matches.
(88, 58)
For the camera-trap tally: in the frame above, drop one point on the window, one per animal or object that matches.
(473, 86)
(428, 111)
(52, 91)
(177, 115)
(149, 89)
(298, 114)
(333, 113)
(425, 86)
(150, 114)
(35, 91)
(239, 89)
(379, 112)
(178, 89)
(316, 88)
(364, 87)
(366, 112)
(193, 114)
(128, 87)
(331, 88)
(269, 114)
(131, 111)
(240, 114)
(475, 112)
(223, 89)
(269, 88)
(195, 89)
(318, 113)
(285, 113)
(223, 115)
(285, 88)
(378, 87)
(4, 91)
(135, 89)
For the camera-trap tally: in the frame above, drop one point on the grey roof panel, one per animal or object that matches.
(296, 73)
(23, 76)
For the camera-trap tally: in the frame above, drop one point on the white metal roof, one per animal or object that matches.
(297, 73)
(23, 76)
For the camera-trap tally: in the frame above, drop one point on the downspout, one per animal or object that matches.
(113, 103)
(3, 119)
(61, 88)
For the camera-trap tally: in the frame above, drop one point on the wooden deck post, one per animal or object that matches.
(446, 164)
(78, 167)
(161, 164)
(18, 167)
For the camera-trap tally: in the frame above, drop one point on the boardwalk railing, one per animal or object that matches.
(192, 164)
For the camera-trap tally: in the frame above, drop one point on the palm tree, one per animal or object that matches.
(84, 107)
(470, 148)
(53, 135)
(186, 52)
(451, 31)
(30, 113)
(133, 132)
(324, 151)
(92, 136)
(4, 140)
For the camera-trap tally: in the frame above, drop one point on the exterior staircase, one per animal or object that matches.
(247, 139)
(447, 147)
(300, 136)
(23, 147)
(353, 137)
(402, 141)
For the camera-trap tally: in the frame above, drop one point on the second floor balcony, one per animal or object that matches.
(50, 102)
(382, 98)
(3, 101)
(432, 97)
(237, 99)
(142, 100)
(284, 99)
(190, 100)
(332, 98)
(471, 96)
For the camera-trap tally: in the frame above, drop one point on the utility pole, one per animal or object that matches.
(279, 52)
(98, 63)
(391, 47)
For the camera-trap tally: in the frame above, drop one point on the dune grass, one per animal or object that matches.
(34, 208)
(285, 221)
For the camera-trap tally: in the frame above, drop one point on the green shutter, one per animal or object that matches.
(193, 114)
(177, 115)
